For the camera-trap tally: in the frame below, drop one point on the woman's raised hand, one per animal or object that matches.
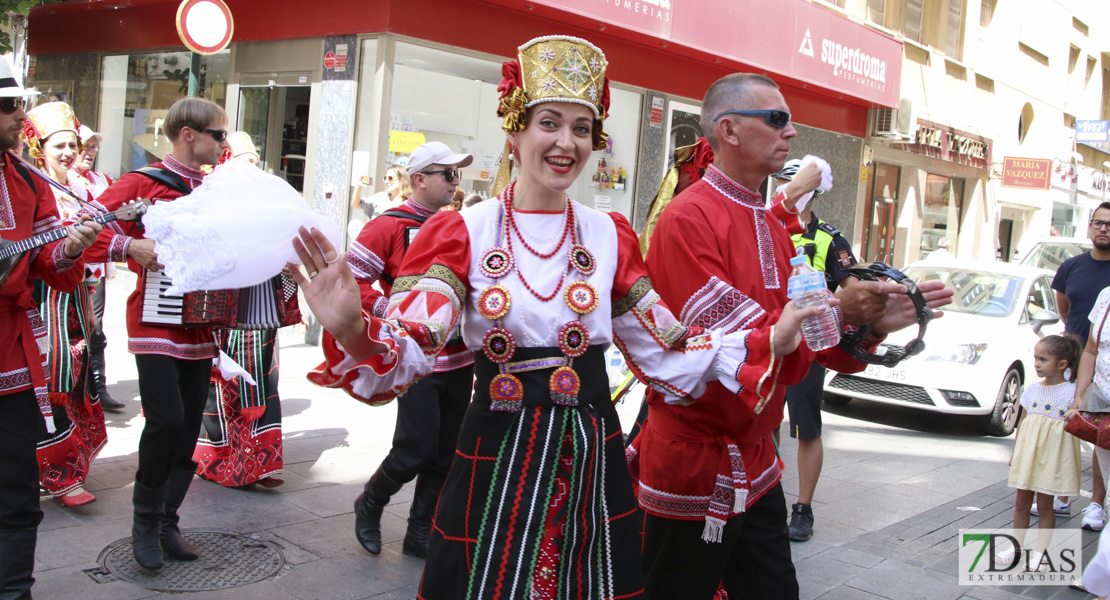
(332, 293)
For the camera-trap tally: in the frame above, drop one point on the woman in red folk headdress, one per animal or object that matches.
(538, 502)
(50, 133)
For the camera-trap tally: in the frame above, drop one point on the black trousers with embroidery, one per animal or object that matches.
(752, 560)
(21, 427)
(173, 392)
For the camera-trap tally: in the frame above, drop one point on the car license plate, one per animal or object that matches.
(885, 373)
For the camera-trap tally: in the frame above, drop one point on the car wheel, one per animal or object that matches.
(1001, 421)
(835, 399)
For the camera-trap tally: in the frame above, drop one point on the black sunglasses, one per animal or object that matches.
(217, 134)
(449, 175)
(10, 105)
(774, 118)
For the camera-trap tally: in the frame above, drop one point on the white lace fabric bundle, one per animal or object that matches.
(233, 231)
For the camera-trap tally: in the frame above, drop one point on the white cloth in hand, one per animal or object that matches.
(826, 179)
(233, 231)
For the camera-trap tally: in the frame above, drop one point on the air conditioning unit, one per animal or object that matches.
(898, 123)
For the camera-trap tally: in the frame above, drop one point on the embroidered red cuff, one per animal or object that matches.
(340, 370)
(62, 262)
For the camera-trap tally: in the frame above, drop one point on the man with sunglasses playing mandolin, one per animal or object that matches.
(430, 412)
(174, 363)
(27, 208)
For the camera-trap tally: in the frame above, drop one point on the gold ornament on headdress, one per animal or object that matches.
(44, 121)
(555, 68)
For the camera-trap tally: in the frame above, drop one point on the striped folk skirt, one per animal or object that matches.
(240, 441)
(538, 503)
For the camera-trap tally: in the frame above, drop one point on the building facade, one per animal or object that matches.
(335, 94)
(983, 84)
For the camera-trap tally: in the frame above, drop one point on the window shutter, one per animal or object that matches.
(985, 13)
(955, 14)
(876, 11)
(914, 10)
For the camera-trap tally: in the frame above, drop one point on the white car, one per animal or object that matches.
(1050, 253)
(978, 356)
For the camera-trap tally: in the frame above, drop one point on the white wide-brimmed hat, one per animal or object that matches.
(9, 86)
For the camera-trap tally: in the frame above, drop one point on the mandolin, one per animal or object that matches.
(11, 252)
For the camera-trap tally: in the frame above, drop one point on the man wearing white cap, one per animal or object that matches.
(27, 208)
(430, 413)
(81, 175)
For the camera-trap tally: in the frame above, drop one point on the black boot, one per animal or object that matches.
(424, 501)
(368, 510)
(98, 383)
(149, 509)
(17, 562)
(173, 543)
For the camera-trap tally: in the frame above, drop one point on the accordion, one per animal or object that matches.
(268, 305)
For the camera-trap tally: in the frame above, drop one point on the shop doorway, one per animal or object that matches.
(1005, 239)
(276, 117)
(879, 229)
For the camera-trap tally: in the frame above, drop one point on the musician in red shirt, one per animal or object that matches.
(174, 363)
(27, 208)
(430, 413)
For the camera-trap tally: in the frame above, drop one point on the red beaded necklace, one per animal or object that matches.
(511, 225)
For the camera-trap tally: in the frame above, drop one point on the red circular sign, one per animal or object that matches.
(329, 59)
(205, 26)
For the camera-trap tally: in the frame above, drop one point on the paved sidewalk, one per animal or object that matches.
(897, 485)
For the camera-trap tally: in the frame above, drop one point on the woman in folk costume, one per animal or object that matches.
(91, 183)
(538, 502)
(50, 133)
(240, 443)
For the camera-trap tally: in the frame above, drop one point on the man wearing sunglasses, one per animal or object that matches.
(27, 208)
(708, 469)
(174, 363)
(1077, 284)
(430, 412)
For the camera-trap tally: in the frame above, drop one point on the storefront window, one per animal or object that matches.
(940, 216)
(451, 98)
(136, 92)
(1063, 219)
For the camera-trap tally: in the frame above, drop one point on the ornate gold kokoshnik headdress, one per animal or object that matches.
(554, 68)
(44, 121)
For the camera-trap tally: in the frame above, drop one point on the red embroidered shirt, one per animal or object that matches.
(25, 212)
(723, 257)
(376, 256)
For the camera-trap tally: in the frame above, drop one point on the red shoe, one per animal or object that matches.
(77, 500)
(270, 482)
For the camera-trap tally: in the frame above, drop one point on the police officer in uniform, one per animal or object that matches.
(827, 252)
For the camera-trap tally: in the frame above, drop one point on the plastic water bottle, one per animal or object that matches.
(807, 288)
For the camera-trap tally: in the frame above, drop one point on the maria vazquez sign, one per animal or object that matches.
(1026, 173)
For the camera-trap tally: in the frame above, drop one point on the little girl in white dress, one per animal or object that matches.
(1046, 459)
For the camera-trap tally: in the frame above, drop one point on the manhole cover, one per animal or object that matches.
(226, 560)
